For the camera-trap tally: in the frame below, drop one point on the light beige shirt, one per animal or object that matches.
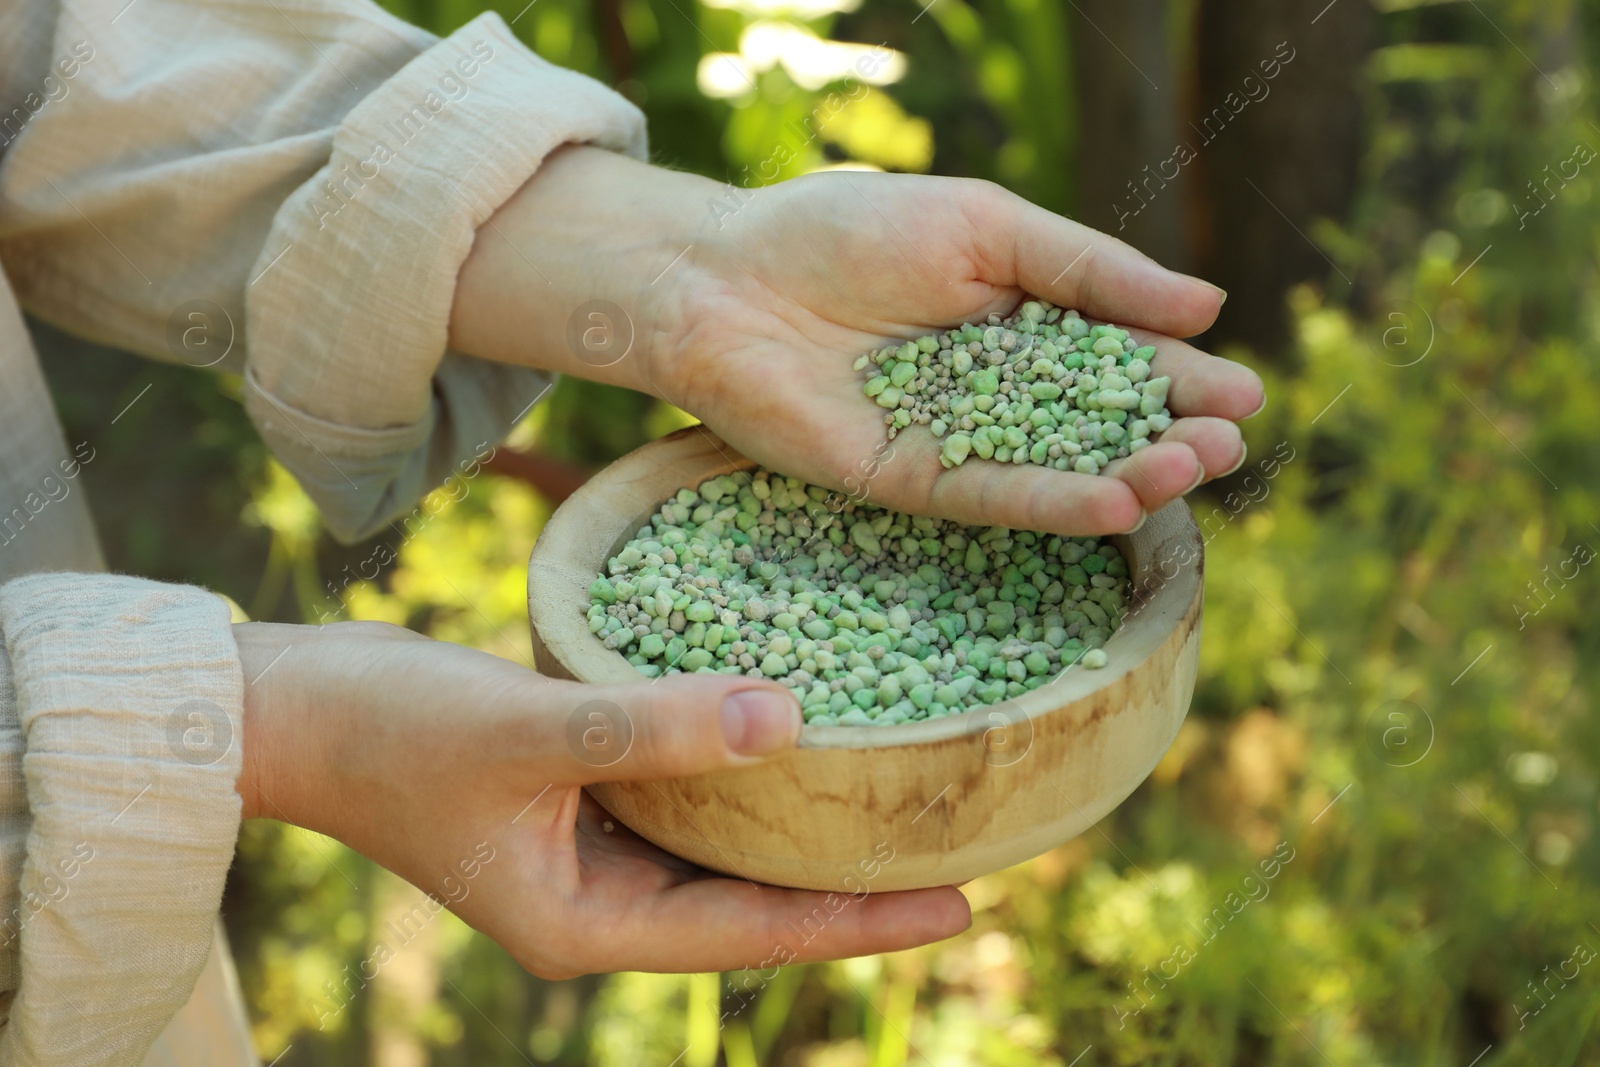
(279, 189)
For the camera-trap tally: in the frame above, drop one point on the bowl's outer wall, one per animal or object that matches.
(887, 808)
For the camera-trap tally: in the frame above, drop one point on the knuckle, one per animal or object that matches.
(986, 193)
(986, 205)
(664, 732)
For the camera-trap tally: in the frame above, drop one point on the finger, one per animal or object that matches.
(1203, 384)
(1158, 474)
(760, 927)
(1217, 443)
(1076, 267)
(673, 726)
(1028, 496)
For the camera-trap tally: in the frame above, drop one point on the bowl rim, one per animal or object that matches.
(559, 575)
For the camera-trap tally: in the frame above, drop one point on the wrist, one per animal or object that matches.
(282, 770)
(257, 735)
(575, 274)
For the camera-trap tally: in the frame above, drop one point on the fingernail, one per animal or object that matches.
(1244, 451)
(759, 722)
(1198, 478)
(1143, 517)
(1222, 294)
(1258, 410)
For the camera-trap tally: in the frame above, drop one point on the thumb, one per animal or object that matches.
(678, 725)
(1073, 266)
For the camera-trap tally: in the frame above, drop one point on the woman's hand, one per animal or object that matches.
(462, 773)
(817, 270)
(747, 309)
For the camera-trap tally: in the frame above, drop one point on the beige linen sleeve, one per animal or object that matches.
(286, 190)
(120, 731)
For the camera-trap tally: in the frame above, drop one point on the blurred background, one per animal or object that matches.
(1401, 640)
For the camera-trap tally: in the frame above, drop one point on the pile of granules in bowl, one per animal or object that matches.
(870, 616)
(1042, 386)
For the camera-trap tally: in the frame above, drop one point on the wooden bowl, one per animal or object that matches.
(893, 807)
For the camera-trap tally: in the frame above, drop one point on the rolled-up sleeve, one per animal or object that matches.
(120, 747)
(287, 191)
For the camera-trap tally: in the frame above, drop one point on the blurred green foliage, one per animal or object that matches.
(1401, 650)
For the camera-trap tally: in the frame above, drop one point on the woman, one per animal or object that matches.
(397, 240)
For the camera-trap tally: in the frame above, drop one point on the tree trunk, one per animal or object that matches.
(1129, 105)
(1273, 154)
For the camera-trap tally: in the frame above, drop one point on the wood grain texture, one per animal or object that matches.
(953, 798)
